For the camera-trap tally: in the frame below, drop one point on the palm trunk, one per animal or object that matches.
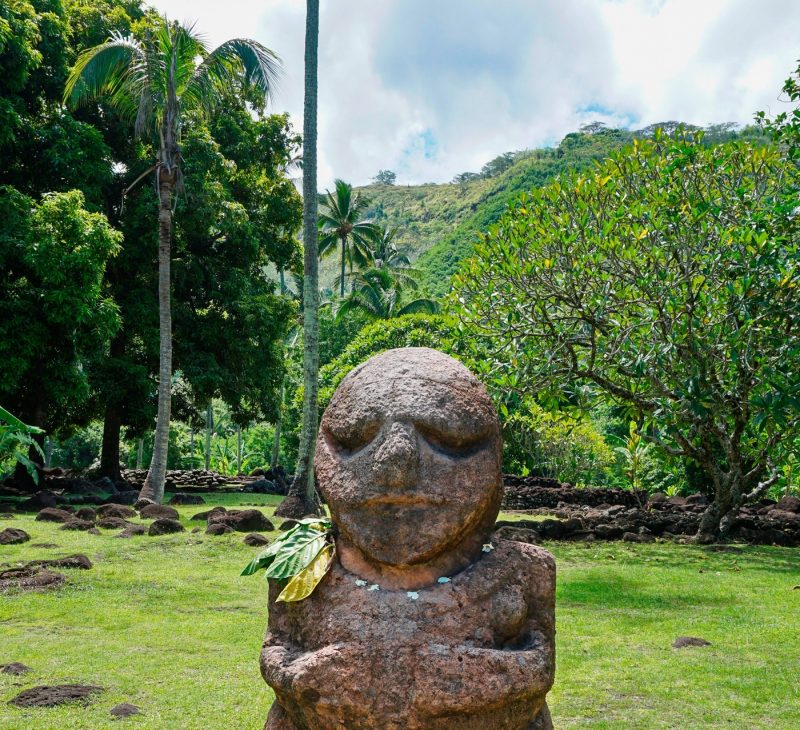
(276, 441)
(191, 448)
(153, 487)
(238, 449)
(302, 497)
(139, 453)
(341, 286)
(109, 455)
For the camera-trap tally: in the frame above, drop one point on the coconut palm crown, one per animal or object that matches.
(152, 83)
(343, 223)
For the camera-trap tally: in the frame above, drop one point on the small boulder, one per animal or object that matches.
(246, 520)
(132, 531)
(205, 515)
(158, 512)
(38, 501)
(218, 528)
(183, 498)
(30, 579)
(13, 536)
(15, 668)
(120, 511)
(83, 525)
(127, 497)
(86, 513)
(113, 523)
(51, 514)
(789, 504)
(255, 540)
(683, 641)
(288, 525)
(142, 503)
(124, 710)
(165, 526)
(93, 531)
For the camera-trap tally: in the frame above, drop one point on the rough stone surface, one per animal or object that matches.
(158, 512)
(52, 514)
(255, 540)
(50, 696)
(76, 524)
(120, 511)
(683, 641)
(38, 501)
(218, 528)
(132, 531)
(408, 460)
(86, 513)
(245, 520)
(13, 536)
(165, 526)
(78, 562)
(203, 516)
(30, 579)
(124, 709)
(113, 523)
(15, 668)
(183, 498)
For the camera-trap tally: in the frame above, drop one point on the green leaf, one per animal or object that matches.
(303, 584)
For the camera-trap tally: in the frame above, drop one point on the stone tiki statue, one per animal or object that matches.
(422, 622)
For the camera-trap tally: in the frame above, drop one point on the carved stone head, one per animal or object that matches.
(409, 457)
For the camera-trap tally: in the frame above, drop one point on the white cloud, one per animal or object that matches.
(430, 88)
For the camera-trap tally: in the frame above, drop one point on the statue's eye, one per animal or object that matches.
(449, 442)
(348, 441)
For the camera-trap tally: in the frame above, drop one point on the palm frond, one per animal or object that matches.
(427, 306)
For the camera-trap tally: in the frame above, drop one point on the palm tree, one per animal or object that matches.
(302, 496)
(379, 295)
(154, 83)
(387, 255)
(342, 224)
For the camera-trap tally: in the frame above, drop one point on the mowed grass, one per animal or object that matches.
(167, 624)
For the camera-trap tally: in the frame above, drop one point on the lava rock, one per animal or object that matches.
(789, 504)
(15, 668)
(288, 525)
(124, 710)
(38, 501)
(51, 514)
(82, 525)
(165, 526)
(132, 531)
(519, 534)
(119, 511)
(86, 513)
(113, 523)
(158, 512)
(205, 515)
(13, 536)
(30, 579)
(255, 540)
(79, 562)
(50, 696)
(218, 528)
(247, 520)
(683, 641)
(183, 498)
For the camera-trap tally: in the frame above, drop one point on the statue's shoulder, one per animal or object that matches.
(524, 557)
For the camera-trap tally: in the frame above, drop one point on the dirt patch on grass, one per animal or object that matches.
(60, 694)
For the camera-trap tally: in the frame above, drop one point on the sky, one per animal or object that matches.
(432, 88)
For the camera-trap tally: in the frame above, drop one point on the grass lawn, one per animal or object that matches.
(167, 624)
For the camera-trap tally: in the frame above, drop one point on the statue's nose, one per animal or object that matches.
(397, 460)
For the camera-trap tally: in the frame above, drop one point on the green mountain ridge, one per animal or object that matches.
(438, 224)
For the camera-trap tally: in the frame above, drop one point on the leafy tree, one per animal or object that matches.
(386, 254)
(302, 497)
(342, 224)
(385, 177)
(54, 313)
(785, 127)
(667, 280)
(379, 295)
(155, 82)
(499, 164)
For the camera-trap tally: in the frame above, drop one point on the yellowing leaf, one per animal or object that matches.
(304, 583)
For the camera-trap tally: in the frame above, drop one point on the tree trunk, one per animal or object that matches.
(302, 497)
(209, 428)
(276, 441)
(718, 519)
(48, 452)
(140, 453)
(153, 487)
(109, 455)
(341, 280)
(238, 449)
(191, 448)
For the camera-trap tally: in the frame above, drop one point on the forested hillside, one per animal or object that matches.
(438, 224)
